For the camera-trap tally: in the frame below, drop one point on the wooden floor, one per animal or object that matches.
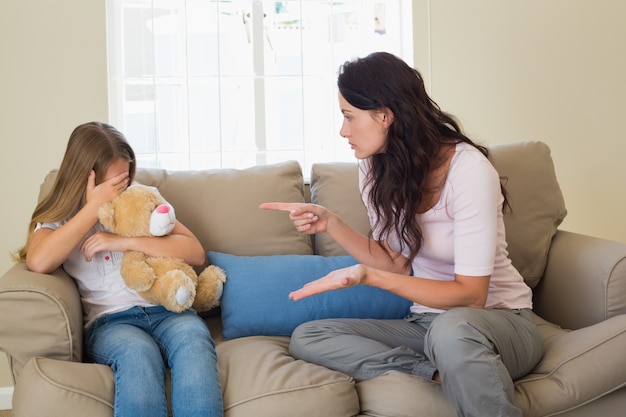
(5, 413)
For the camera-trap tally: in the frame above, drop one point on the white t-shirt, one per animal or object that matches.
(100, 284)
(464, 232)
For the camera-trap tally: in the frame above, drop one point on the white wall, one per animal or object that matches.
(533, 69)
(52, 78)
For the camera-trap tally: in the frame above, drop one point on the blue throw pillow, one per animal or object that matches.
(256, 294)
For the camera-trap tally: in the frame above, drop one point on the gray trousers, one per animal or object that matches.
(478, 352)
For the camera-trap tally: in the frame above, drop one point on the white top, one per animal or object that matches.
(464, 232)
(100, 284)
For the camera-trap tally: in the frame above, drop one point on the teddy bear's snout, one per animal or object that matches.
(163, 208)
(162, 220)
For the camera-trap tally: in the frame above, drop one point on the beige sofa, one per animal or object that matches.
(579, 284)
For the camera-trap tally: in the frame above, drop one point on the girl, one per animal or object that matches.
(435, 205)
(122, 329)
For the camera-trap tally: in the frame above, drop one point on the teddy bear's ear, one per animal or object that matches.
(106, 214)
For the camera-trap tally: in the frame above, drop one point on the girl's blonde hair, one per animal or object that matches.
(92, 146)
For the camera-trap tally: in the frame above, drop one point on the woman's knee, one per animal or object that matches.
(452, 336)
(301, 338)
(306, 338)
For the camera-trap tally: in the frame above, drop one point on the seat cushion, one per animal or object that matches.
(574, 369)
(572, 373)
(260, 379)
(396, 394)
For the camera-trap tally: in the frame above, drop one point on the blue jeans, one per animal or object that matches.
(478, 352)
(139, 344)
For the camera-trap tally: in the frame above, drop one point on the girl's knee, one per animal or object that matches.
(138, 367)
(140, 352)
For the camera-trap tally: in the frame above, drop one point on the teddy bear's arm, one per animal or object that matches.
(137, 274)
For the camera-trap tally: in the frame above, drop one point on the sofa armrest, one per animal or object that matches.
(584, 282)
(40, 316)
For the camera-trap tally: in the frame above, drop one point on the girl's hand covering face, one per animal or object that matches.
(107, 190)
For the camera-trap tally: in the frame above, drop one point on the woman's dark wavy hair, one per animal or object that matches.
(414, 139)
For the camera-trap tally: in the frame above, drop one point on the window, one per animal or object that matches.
(201, 84)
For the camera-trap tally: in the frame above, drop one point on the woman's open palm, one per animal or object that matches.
(336, 280)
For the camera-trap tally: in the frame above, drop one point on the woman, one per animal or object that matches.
(435, 204)
(122, 329)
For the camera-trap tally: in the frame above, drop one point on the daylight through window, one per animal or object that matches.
(202, 84)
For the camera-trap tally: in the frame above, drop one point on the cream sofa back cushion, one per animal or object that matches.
(336, 186)
(536, 202)
(221, 206)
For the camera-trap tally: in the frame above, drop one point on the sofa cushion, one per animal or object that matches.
(409, 393)
(574, 369)
(221, 206)
(572, 373)
(536, 202)
(256, 294)
(336, 187)
(260, 378)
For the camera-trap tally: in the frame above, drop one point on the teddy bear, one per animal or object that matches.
(141, 211)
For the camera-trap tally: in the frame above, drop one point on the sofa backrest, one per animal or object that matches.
(536, 201)
(336, 186)
(221, 205)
